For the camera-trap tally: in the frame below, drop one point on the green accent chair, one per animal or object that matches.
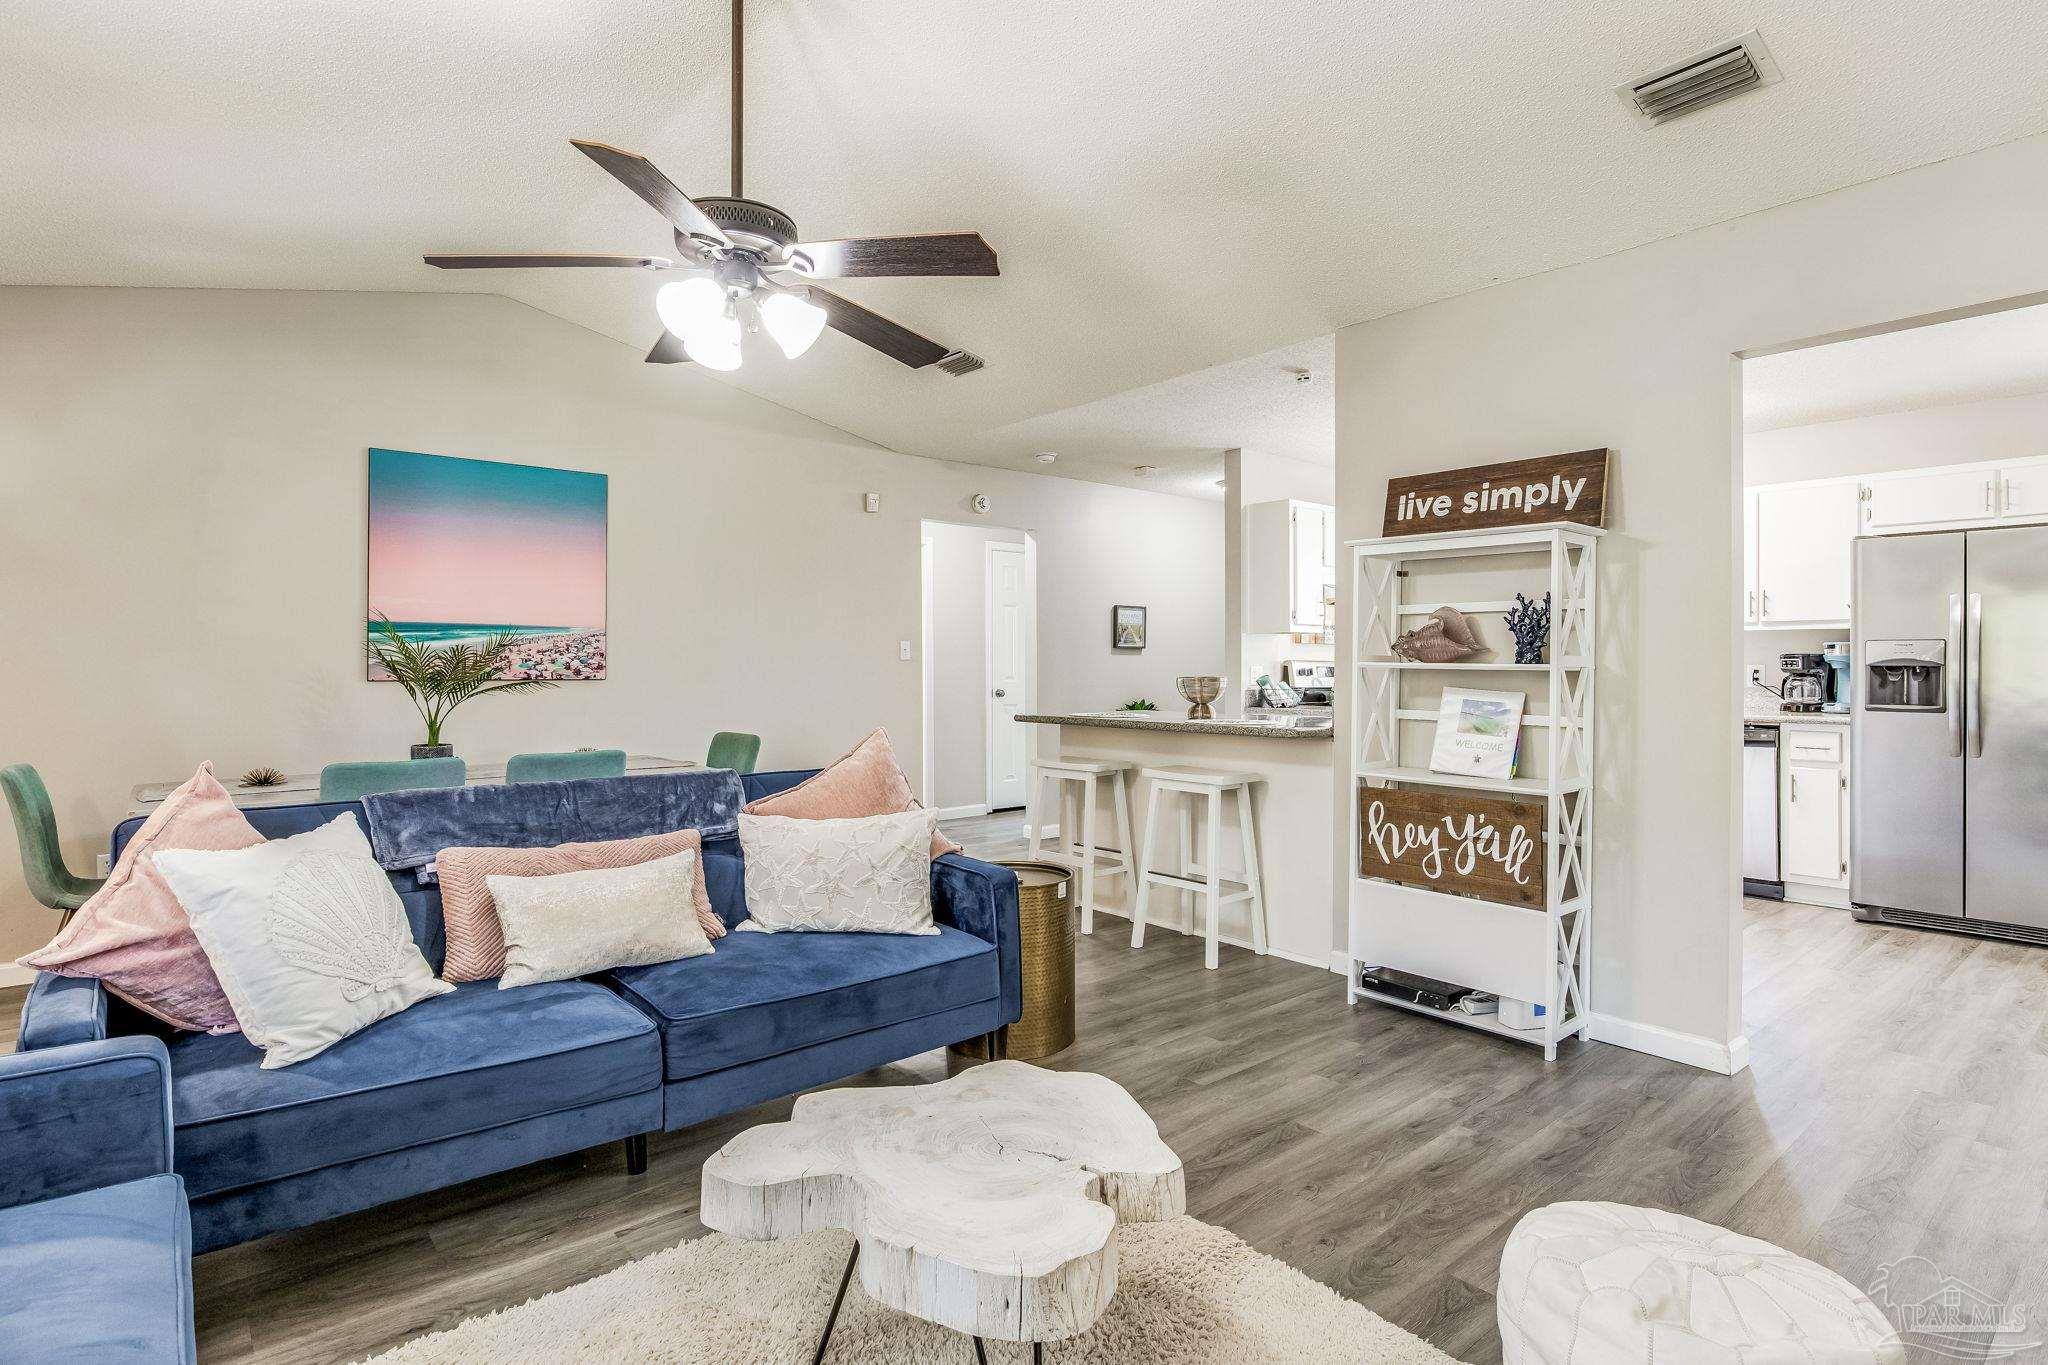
(566, 767)
(353, 781)
(35, 827)
(730, 749)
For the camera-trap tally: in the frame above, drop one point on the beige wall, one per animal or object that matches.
(1636, 352)
(1956, 433)
(182, 564)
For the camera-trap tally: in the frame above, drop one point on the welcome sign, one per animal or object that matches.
(1467, 845)
(1570, 487)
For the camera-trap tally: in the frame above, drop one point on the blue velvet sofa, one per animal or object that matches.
(484, 1080)
(95, 1242)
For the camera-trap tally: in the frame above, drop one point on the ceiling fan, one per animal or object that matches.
(745, 271)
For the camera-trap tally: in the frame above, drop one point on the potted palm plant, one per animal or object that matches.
(439, 678)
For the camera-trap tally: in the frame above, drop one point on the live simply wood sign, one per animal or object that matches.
(1571, 487)
(1490, 847)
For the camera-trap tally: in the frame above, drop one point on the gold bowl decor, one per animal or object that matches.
(1200, 690)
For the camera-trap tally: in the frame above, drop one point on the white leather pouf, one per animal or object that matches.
(1610, 1284)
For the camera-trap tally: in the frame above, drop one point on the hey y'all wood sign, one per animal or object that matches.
(1464, 844)
(1570, 487)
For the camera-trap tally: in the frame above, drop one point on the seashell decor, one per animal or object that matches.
(1444, 637)
(338, 916)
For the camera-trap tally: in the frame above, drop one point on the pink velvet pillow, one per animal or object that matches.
(133, 935)
(476, 943)
(867, 781)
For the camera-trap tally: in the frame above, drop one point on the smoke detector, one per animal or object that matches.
(1144, 471)
(1721, 72)
(1045, 457)
(1301, 376)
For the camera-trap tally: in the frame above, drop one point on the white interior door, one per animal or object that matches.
(1009, 675)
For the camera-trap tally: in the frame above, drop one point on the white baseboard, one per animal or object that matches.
(962, 812)
(1690, 1048)
(12, 975)
(1340, 963)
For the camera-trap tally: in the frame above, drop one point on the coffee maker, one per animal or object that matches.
(1805, 687)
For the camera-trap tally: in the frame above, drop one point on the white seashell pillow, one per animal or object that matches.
(871, 875)
(306, 934)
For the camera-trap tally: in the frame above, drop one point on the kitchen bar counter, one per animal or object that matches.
(1293, 809)
(1255, 724)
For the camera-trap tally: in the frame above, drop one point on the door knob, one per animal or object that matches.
(1001, 693)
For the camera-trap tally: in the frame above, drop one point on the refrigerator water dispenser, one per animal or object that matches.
(1904, 675)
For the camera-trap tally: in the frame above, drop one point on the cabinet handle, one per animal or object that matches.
(1795, 786)
(1752, 602)
(1767, 601)
(2008, 486)
(1987, 494)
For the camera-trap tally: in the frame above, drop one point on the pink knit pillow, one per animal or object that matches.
(867, 781)
(133, 935)
(476, 943)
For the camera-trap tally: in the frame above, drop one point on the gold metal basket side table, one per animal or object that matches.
(1045, 949)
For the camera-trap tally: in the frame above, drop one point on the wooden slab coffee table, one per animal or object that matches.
(987, 1202)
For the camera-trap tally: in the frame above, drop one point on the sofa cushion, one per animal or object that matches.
(458, 1063)
(761, 995)
(101, 1275)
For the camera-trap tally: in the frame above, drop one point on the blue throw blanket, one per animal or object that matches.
(408, 829)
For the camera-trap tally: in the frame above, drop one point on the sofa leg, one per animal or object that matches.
(636, 1154)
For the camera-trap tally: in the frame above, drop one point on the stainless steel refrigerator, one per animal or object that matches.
(1949, 761)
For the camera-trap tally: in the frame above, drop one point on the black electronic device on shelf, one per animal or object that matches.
(1417, 990)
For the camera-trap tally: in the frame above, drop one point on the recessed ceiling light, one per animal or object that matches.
(1045, 457)
(1223, 483)
(1145, 471)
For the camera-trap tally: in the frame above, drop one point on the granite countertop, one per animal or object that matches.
(1760, 706)
(1260, 725)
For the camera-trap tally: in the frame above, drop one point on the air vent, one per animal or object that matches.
(2025, 933)
(1721, 72)
(958, 363)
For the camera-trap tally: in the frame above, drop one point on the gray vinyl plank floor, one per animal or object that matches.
(1895, 1106)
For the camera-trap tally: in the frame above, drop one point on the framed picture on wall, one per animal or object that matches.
(1127, 627)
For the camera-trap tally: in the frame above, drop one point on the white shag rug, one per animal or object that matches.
(1186, 1292)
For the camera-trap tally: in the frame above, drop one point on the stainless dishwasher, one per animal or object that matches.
(1760, 871)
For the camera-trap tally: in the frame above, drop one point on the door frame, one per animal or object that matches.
(1029, 545)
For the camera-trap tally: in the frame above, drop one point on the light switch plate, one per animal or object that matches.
(903, 650)
(871, 501)
(103, 866)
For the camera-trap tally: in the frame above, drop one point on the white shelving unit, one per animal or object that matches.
(1541, 956)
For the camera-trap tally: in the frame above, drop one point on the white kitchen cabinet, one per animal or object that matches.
(1803, 534)
(2023, 492)
(1290, 559)
(1813, 812)
(1927, 498)
(1749, 584)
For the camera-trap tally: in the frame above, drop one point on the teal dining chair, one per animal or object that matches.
(566, 767)
(42, 860)
(731, 749)
(353, 781)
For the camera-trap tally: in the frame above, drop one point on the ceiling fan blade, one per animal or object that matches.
(640, 175)
(537, 261)
(892, 339)
(668, 351)
(938, 253)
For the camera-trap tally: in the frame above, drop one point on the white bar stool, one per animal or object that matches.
(1188, 787)
(1079, 846)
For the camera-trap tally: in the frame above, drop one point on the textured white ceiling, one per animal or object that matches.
(1997, 355)
(1170, 186)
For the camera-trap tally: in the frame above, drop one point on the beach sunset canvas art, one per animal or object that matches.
(465, 549)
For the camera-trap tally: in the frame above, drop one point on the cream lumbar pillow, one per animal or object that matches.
(871, 875)
(306, 934)
(573, 923)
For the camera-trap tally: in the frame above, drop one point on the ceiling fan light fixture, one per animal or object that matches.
(793, 321)
(690, 306)
(716, 344)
